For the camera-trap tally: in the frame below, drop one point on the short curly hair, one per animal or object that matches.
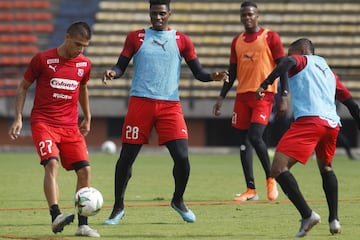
(248, 4)
(303, 42)
(160, 2)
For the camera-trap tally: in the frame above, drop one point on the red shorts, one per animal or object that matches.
(53, 142)
(248, 110)
(303, 138)
(144, 114)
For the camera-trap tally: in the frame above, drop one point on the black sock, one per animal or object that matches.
(54, 211)
(255, 134)
(246, 158)
(178, 150)
(291, 189)
(123, 171)
(119, 204)
(330, 186)
(179, 203)
(82, 220)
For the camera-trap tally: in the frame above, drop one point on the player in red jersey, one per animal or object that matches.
(154, 102)
(61, 75)
(344, 96)
(313, 88)
(254, 54)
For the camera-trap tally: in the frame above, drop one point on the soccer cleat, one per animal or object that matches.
(187, 215)
(335, 227)
(249, 194)
(61, 221)
(86, 231)
(115, 217)
(307, 224)
(272, 191)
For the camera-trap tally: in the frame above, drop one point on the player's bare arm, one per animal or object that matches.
(217, 106)
(15, 129)
(85, 106)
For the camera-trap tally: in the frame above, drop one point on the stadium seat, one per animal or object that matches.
(24, 26)
(8, 87)
(213, 25)
(6, 38)
(31, 4)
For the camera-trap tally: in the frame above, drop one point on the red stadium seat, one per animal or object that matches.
(18, 50)
(31, 4)
(7, 16)
(8, 87)
(26, 27)
(24, 4)
(8, 82)
(27, 38)
(6, 5)
(26, 16)
(23, 38)
(8, 50)
(14, 60)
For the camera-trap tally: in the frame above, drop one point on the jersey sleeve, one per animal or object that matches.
(301, 62)
(342, 93)
(86, 77)
(186, 47)
(34, 69)
(132, 43)
(233, 58)
(275, 45)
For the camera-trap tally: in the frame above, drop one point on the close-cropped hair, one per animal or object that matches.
(160, 2)
(248, 4)
(303, 42)
(80, 28)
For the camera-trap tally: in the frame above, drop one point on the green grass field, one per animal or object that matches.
(214, 180)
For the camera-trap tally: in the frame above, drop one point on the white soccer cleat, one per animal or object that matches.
(86, 231)
(335, 227)
(61, 221)
(307, 224)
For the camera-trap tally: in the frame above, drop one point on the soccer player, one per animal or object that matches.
(254, 54)
(312, 86)
(61, 75)
(344, 96)
(154, 102)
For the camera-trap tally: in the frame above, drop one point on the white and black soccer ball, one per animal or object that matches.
(108, 147)
(88, 201)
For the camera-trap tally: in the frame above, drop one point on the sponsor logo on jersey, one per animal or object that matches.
(52, 60)
(65, 84)
(184, 131)
(81, 64)
(80, 72)
(53, 67)
(61, 96)
(250, 57)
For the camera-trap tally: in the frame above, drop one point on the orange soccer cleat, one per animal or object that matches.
(249, 194)
(272, 191)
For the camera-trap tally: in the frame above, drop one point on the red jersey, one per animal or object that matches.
(342, 93)
(134, 40)
(57, 87)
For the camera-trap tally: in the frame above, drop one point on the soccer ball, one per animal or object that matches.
(108, 147)
(88, 201)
